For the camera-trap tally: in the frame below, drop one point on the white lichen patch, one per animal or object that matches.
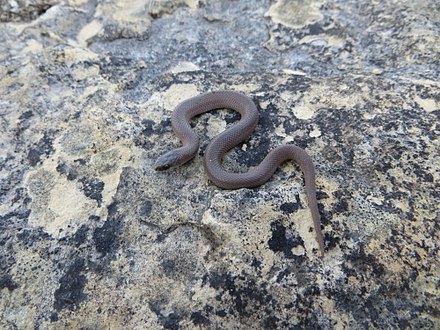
(83, 72)
(158, 7)
(127, 17)
(304, 110)
(216, 125)
(184, 67)
(304, 105)
(89, 31)
(303, 224)
(295, 13)
(178, 93)
(315, 133)
(33, 46)
(153, 109)
(427, 104)
(58, 206)
(77, 55)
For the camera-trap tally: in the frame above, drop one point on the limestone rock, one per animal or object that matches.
(92, 237)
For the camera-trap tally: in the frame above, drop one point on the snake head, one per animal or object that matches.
(166, 161)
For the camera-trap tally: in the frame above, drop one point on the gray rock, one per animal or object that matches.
(92, 237)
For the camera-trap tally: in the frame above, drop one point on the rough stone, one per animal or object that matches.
(92, 237)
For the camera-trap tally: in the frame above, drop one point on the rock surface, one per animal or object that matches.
(92, 237)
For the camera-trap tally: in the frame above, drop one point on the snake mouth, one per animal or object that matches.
(166, 161)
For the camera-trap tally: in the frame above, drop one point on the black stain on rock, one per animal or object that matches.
(271, 322)
(365, 263)
(19, 215)
(6, 260)
(29, 237)
(256, 264)
(145, 209)
(94, 218)
(43, 147)
(198, 318)
(80, 236)
(92, 188)
(168, 320)
(280, 243)
(26, 115)
(81, 161)
(247, 296)
(290, 207)
(7, 282)
(71, 290)
(106, 237)
(23, 11)
(148, 126)
(67, 170)
(54, 317)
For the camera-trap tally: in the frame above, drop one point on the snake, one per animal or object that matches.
(228, 139)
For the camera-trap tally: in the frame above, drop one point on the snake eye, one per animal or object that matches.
(166, 161)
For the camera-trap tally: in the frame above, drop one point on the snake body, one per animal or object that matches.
(228, 139)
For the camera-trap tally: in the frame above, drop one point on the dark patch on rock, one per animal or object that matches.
(81, 235)
(81, 161)
(365, 263)
(341, 206)
(113, 68)
(67, 170)
(263, 137)
(247, 297)
(280, 243)
(145, 209)
(255, 155)
(271, 322)
(170, 321)
(290, 207)
(147, 127)
(54, 317)
(94, 218)
(92, 188)
(6, 260)
(331, 240)
(221, 313)
(198, 318)
(33, 157)
(382, 304)
(256, 264)
(18, 214)
(29, 236)
(70, 293)
(232, 117)
(282, 274)
(26, 115)
(315, 29)
(22, 196)
(7, 282)
(24, 12)
(106, 238)
(43, 147)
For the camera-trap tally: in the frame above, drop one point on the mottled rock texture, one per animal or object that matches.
(92, 238)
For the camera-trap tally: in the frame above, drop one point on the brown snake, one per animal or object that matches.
(228, 139)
